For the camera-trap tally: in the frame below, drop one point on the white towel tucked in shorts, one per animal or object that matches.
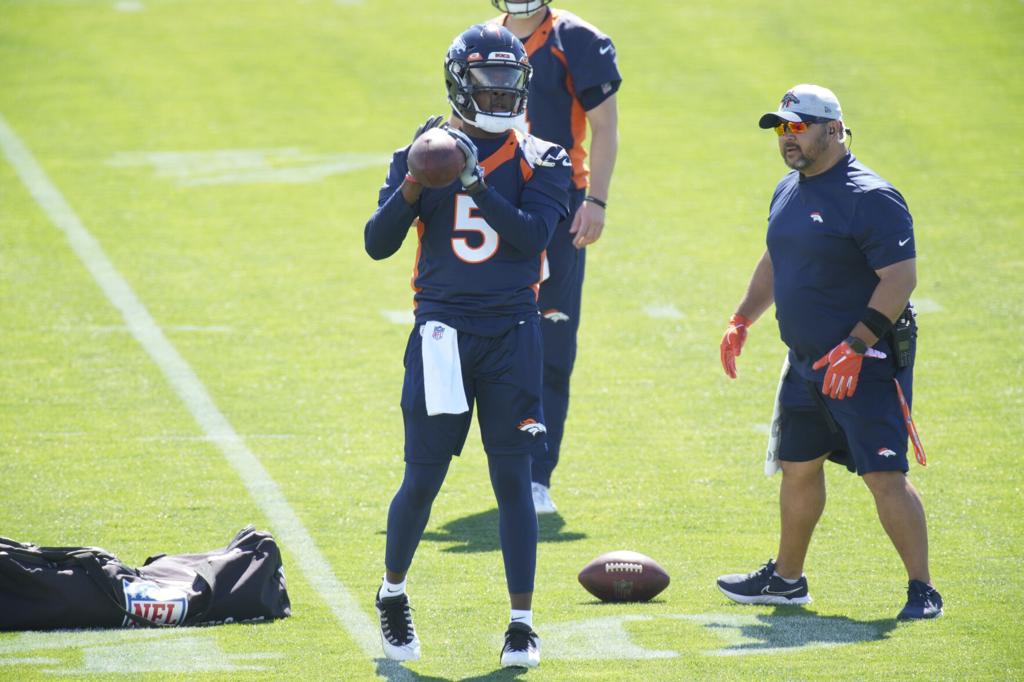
(771, 459)
(442, 370)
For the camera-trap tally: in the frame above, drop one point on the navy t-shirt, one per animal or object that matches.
(465, 273)
(574, 70)
(827, 235)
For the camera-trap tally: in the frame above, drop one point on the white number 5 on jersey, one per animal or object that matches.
(467, 220)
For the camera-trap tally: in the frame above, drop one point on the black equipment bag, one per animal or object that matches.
(43, 588)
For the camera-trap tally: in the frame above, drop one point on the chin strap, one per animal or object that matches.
(497, 124)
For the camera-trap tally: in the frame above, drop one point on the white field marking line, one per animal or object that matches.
(663, 311)
(120, 328)
(224, 166)
(246, 436)
(180, 650)
(263, 489)
(38, 660)
(926, 305)
(404, 317)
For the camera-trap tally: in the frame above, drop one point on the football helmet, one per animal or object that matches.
(487, 58)
(521, 9)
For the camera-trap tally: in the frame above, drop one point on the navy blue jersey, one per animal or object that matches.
(574, 70)
(827, 234)
(480, 259)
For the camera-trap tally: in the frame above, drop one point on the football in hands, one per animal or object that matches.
(624, 576)
(435, 160)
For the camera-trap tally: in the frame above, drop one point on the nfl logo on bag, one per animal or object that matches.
(158, 604)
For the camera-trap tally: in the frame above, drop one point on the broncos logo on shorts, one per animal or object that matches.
(532, 427)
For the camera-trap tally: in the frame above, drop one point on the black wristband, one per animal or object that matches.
(857, 345)
(595, 200)
(878, 322)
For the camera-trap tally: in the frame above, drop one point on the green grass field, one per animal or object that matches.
(225, 156)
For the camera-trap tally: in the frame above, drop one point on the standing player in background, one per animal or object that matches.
(575, 78)
(840, 267)
(477, 332)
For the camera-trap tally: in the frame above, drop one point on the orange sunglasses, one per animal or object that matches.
(795, 127)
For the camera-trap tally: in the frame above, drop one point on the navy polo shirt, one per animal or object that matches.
(827, 235)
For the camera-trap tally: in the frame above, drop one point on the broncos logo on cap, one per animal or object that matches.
(788, 99)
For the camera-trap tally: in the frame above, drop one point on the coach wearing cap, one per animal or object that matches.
(840, 266)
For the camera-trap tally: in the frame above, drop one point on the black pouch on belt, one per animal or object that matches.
(902, 337)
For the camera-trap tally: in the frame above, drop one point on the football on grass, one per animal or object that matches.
(435, 160)
(624, 576)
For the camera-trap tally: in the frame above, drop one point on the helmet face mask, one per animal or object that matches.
(521, 9)
(487, 75)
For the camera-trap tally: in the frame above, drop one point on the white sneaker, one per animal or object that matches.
(522, 647)
(542, 499)
(397, 633)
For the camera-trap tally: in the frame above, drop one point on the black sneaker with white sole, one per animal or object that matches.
(762, 587)
(923, 601)
(522, 647)
(397, 633)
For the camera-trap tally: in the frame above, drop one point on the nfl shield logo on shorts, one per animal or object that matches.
(438, 332)
(158, 604)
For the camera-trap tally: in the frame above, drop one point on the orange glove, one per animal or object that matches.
(844, 362)
(732, 343)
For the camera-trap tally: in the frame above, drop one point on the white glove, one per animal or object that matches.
(473, 172)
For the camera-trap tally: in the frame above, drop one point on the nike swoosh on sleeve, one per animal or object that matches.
(904, 241)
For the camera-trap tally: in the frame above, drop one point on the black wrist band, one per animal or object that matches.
(595, 200)
(857, 345)
(878, 322)
(476, 188)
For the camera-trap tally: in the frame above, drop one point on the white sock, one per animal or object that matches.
(788, 581)
(391, 589)
(519, 616)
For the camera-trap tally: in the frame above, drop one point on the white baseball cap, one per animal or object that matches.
(804, 102)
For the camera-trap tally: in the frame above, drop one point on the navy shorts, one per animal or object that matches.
(865, 432)
(502, 378)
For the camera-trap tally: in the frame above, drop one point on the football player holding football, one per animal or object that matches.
(575, 78)
(477, 340)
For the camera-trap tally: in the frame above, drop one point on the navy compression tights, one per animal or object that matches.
(517, 520)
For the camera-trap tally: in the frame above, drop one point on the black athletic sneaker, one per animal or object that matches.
(761, 587)
(397, 633)
(522, 647)
(923, 601)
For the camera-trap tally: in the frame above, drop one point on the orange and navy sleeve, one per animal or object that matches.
(543, 201)
(386, 229)
(547, 172)
(591, 61)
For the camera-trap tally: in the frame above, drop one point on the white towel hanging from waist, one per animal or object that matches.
(442, 370)
(771, 459)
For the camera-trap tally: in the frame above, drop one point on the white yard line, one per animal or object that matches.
(263, 489)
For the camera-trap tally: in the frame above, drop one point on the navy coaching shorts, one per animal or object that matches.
(502, 376)
(865, 432)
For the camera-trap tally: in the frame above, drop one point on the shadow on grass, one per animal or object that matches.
(789, 627)
(613, 604)
(393, 671)
(479, 532)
